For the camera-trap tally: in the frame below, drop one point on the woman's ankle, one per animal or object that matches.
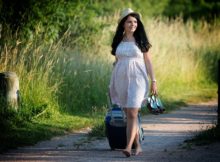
(138, 150)
(128, 148)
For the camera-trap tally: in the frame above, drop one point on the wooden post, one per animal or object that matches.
(9, 90)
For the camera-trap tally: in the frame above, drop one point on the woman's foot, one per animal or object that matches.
(138, 151)
(126, 153)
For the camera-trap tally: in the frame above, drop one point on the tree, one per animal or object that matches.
(199, 9)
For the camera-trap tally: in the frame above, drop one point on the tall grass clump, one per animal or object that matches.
(184, 57)
(33, 64)
(85, 83)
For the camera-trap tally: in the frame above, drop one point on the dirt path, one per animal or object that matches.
(164, 136)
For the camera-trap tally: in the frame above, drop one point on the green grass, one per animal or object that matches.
(206, 137)
(17, 132)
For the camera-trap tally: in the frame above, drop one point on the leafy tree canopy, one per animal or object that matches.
(49, 19)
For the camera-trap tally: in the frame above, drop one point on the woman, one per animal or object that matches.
(129, 81)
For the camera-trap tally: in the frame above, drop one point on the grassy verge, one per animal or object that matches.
(17, 132)
(206, 137)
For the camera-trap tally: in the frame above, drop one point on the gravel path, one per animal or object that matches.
(164, 137)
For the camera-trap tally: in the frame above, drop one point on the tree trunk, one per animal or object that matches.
(218, 124)
(9, 90)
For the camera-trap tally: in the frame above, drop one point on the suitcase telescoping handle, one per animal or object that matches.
(109, 100)
(111, 106)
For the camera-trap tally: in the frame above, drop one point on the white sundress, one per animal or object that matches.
(129, 81)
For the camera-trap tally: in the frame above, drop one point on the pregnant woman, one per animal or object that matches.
(129, 81)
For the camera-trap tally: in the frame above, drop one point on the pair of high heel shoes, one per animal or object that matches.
(154, 105)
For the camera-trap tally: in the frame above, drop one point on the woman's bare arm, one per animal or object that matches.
(149, 66)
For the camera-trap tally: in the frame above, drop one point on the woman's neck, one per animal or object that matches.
(128, 37)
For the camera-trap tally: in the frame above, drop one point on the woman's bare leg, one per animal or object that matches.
(132, 126)
(138, 148)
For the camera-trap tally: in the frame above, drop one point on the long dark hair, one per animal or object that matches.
(139, 35)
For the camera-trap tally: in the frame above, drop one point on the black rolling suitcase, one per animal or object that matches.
(115, 127)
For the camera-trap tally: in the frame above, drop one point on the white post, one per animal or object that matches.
(9, 90)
